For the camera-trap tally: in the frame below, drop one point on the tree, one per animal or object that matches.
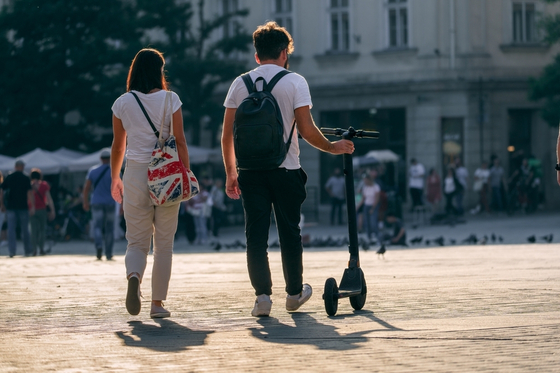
(198, 62)
(547, 86)
(62, 67)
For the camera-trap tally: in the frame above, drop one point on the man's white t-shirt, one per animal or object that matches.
(141, 139)
(416, 174)
(291, 92)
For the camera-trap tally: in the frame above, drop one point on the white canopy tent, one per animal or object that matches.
(48, 162)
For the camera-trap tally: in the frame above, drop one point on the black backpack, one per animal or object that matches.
(258, 129)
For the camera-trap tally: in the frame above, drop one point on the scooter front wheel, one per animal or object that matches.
(330, 296)
(358, 301)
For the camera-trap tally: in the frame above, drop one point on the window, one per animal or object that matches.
(230, 6)
(524, 22)
(283, 14)
(340, 26)
(397, 14)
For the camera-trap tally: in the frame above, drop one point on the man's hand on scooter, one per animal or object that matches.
(342, 147)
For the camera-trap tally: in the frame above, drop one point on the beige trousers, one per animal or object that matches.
(145, 222)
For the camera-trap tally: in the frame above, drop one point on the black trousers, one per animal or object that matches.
(284, 191)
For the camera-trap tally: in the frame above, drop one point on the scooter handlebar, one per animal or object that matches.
(351, 131)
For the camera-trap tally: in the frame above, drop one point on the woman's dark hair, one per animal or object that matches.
(36, 174)
(146, 71)
(270, 40)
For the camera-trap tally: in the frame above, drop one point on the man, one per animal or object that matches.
(282, 188)
(416, 182)
(497, 183)
(335, 186)
(218, 206)
(398, 233)
(102, 205)
(38, 222)
(462, 175)
(19, 203)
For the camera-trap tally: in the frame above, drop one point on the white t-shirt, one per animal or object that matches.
(291, 92)
(416, 176)
(369, 192)
(141, 139)
(482, 174)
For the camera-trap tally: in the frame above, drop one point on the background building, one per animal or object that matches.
(440, 79)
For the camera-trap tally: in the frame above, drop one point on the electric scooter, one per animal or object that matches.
(353, 283)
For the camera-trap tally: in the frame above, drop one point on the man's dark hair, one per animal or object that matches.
(270, 40)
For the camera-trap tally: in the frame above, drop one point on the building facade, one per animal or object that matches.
(440, 79)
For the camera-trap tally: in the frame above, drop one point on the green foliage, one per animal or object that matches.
(72, 56)
(59, 57)
(197, 63)
(547, 86)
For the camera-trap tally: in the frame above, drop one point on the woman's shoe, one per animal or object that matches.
(133, 295)
(158, 312)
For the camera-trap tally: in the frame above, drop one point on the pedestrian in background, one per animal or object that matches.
(19, 204)
(433, 188)
(370, 201)
(450, 187)
(416, 174)
(38, 222)
(462, 175)
(498, 184)
(481, 186)
(132, 133)
(217, 195)
(282, 188)
(335, 187)
(103, 212)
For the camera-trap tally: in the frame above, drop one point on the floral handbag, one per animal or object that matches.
(169, 181)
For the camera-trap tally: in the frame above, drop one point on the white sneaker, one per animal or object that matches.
(293, 302)
(263, 304)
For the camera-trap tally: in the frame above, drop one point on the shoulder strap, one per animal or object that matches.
(248, 82)
(275, 79)
(100, 177)
(146, 114)
(267, 86)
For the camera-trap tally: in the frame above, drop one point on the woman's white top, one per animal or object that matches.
(141, 139)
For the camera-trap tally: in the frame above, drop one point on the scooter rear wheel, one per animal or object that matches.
(358, 301)
(330, 296)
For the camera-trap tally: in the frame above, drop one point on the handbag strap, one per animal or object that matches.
(156, 132)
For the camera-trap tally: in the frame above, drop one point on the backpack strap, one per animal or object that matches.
(266, 86)
(275, 80)
(100, 177)
(146, 114)
(248, 82)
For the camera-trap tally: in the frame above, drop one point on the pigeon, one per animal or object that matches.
(381, 251)
(484, 240)
(547, 238)
(365, 245)
(532, 239)
(452, 241)
(472, 239)
(440, 240)
(217, 246)
(501, 239)
(416, 240)
(493, 237)
(428, 242)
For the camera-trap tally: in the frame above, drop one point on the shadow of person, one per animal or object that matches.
(369, 315)
(307, 331)
(167, 336)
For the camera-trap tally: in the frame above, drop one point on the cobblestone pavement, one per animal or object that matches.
(492, 308)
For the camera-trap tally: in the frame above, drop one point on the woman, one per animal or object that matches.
(38, 222)
(433, 188)
(480, 185)
(145, 221)
(370, 192)
(450, 188)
